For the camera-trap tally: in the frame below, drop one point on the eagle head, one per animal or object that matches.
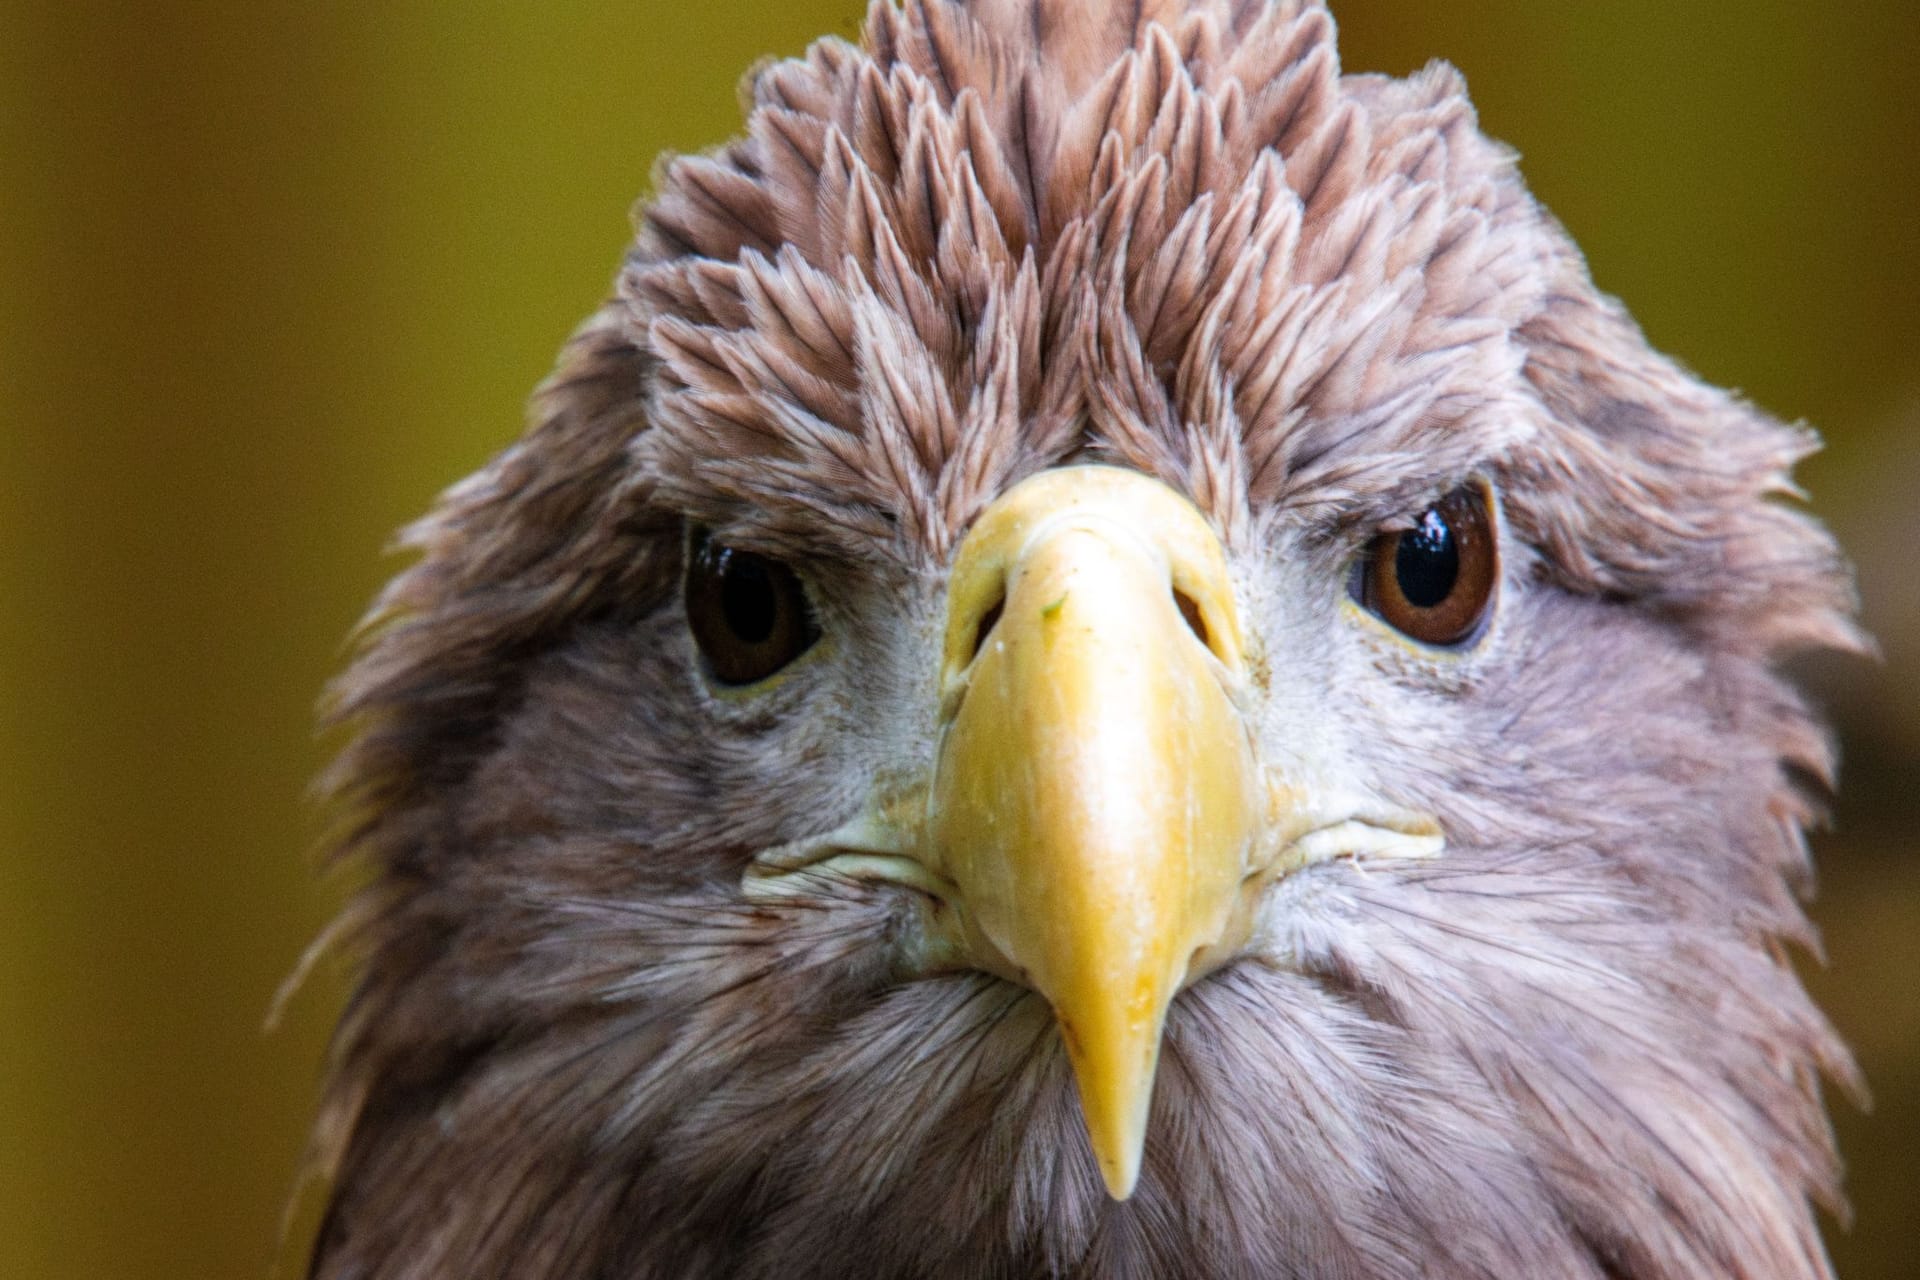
(1106, 662)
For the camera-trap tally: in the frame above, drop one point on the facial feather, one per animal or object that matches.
(991, 239)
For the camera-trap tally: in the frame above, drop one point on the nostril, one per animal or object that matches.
(987, 621)
(1190, 610)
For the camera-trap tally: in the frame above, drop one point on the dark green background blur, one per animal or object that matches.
(273, 274)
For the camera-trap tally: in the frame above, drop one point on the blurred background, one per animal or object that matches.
(271, 275)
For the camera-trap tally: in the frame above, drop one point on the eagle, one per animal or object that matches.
(1104, 662)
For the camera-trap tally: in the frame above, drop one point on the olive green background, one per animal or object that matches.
(273, 274)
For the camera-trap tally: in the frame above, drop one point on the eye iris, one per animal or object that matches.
(749, 615)
(1427, 564)
(747, 598)
(1435, 581)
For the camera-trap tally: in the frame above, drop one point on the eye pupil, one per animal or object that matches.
(1427, 564)
(747, 599)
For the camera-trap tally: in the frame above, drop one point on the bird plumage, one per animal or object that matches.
(991, 239)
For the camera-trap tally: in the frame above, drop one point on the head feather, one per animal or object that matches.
(1174, 235)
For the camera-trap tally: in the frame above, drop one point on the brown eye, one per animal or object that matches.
(749, 614)
(1435, 580)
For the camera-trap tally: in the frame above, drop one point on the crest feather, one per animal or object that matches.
(1280, 258)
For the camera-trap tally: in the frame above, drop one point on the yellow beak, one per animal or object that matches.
(1096, 801)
